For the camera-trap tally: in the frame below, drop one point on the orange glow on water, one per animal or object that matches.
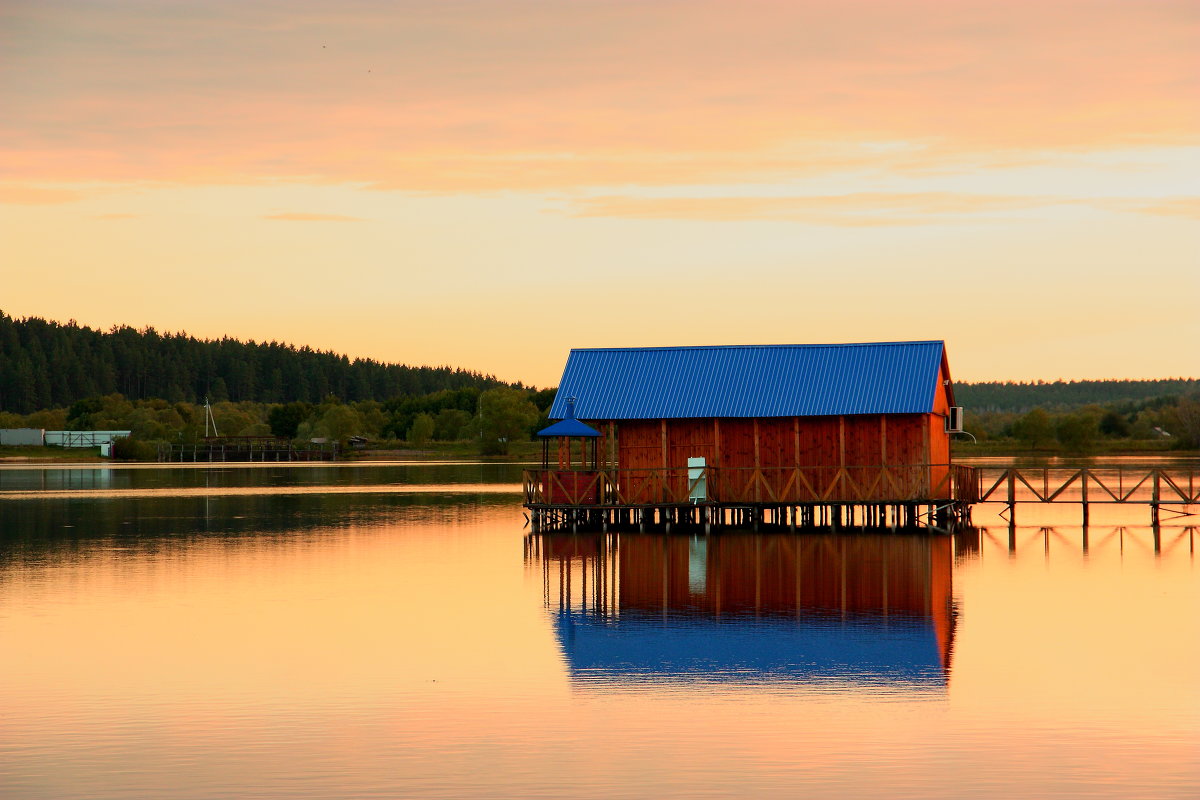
(316, 645)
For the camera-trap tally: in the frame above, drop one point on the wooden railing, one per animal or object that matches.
(782, 485)
(1105, 485)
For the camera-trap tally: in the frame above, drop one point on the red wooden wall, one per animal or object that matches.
(855, 441)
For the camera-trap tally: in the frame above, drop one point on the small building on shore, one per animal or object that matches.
(22, 437)
(761, 424)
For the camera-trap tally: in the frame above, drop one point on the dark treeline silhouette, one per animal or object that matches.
(45, 364)
(1066, 395)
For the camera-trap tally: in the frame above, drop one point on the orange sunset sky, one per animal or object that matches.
(487, 184)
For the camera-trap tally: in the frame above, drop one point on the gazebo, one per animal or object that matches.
(569, 482)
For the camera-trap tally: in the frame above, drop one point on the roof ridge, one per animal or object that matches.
(759, 346)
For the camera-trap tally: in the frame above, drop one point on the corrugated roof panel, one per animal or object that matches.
(750, 381)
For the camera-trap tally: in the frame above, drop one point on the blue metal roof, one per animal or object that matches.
(751, 380)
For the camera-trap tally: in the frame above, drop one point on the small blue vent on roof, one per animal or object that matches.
(751, 381)
(569, 426)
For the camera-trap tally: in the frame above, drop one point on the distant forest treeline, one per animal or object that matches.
(1067, 395)
(55, 376)
(45, 364)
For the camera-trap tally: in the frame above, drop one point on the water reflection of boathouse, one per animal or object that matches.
(868, 609)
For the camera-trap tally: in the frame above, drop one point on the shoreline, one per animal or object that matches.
(530, 453)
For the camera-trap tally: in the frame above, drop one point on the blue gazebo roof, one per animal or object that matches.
(569, 426)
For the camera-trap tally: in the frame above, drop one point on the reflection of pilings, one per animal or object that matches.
(759, 571)
(583, 566)
(709, 517)
(1088, 542)
(967, 543)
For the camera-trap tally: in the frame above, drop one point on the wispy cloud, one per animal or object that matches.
(1187, 207)
(36, 195)
(299, 216)
(865, 209)
(548, 95)
(862, 209)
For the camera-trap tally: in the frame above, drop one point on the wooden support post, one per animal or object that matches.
(716, 442)
(1083, 488)
(613, 462)
(757, 465)
(842, 442)
(1012, 497)
(796, 441)
(663, 431)
(1154, 497)
(925, 457)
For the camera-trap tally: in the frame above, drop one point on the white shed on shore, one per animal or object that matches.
(22, 437)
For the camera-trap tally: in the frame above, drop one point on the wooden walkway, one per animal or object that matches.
(1153, 487)
(937, 496)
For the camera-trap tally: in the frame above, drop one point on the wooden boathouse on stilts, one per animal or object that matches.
(844, 435)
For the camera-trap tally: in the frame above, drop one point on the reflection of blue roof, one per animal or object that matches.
(569, 427)
(751, 381)
(861, 650)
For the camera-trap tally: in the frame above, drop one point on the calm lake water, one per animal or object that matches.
(393, 631)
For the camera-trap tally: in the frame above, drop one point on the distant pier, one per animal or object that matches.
(245, 449)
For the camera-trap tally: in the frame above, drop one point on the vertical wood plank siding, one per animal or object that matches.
(866, 441)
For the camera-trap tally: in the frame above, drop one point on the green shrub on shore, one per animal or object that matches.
(127, 448)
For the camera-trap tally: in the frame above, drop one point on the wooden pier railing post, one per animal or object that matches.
(1083, 488)
(1012, 496)
(1154, 495)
